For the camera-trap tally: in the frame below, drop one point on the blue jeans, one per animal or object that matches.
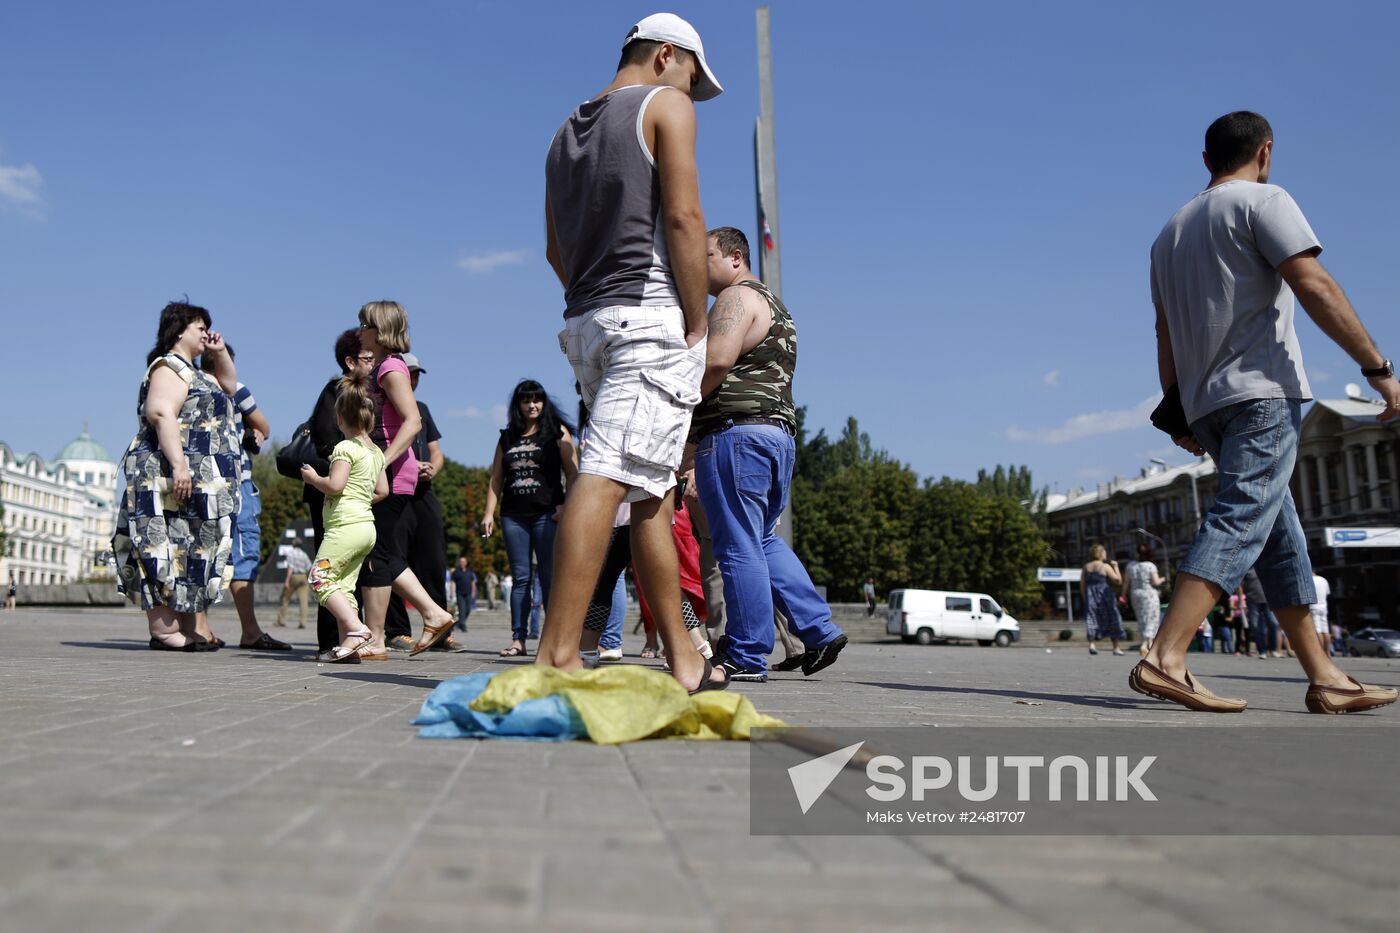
(464, 609)
(536, 602)
(525, 534)
(742, 473)
(612, 635)
(1253, 522)
(1264, 625)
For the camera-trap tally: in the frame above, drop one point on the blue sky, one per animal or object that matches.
(968, 194)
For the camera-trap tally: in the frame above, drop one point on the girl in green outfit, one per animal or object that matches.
(356, 481)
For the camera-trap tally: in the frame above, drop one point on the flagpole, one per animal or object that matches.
(765, 162)
(770, 267)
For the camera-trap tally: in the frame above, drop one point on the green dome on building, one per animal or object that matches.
(83, 447)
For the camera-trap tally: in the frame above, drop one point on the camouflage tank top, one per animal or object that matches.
(760, 384)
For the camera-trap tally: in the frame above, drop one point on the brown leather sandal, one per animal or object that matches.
(434, 634)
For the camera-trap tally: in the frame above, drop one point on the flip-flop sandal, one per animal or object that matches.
(266, 642)
(512, 652)
(706, 683)
(648, 653)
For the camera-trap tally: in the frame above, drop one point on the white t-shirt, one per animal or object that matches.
(1319, 608)
(1215, 272)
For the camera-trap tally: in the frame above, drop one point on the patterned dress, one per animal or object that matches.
(1101, 608)
(173, 553)
(1146, 599)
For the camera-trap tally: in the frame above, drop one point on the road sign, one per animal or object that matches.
(1363, 537)
(1058, 574)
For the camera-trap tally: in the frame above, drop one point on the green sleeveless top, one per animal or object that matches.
(760, 384)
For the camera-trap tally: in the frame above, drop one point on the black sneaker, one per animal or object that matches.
(817, 658)
(736, 674)
(790, 663)
(399, 643)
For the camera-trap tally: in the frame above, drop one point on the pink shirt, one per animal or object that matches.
(403, 472)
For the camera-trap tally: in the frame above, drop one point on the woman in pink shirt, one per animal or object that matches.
(384, 332)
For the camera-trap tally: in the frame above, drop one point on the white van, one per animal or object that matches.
(923, 615)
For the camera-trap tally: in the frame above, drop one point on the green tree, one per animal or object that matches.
(1015, 483)
(967, 539)
(851, 506)
(462, 492)
(859, 512)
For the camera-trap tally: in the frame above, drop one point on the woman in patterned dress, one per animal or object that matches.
(1099, 586)
(174, 526)
(1143, 587)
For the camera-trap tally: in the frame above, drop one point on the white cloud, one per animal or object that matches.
(19, 188)
(1319, 375)
(496, 413)
(1109, 421)
(481, 263)
(1051, 379)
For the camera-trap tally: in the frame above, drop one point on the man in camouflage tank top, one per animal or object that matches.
(744, 433)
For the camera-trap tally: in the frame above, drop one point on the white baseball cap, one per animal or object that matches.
(668, 27)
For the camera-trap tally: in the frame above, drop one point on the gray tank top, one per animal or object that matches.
(605, 197)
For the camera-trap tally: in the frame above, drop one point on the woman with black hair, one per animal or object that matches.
(174, 530)
(534, 462)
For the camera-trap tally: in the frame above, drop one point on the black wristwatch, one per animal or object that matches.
(1386, 369)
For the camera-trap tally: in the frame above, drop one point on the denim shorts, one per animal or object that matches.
(1253, 522)
(246, 536)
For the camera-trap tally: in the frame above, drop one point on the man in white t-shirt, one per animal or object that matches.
(1225, 269)
(1319, 612)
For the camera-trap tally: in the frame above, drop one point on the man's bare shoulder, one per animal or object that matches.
(736, 307)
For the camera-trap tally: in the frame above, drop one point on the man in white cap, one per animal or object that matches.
(626, 236)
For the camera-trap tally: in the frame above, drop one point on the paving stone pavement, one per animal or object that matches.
(153, 791)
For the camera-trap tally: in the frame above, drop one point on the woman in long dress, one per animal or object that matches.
(175, 523)
(1099, 585)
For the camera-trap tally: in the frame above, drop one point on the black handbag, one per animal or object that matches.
(300, 449)
(297, 451)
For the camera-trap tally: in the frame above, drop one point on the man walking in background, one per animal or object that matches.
(1233, 380)
(745, 450)
(294, 584)
(464, 588)
(626, 237)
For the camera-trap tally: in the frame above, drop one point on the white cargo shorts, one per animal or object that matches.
(640, 383)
